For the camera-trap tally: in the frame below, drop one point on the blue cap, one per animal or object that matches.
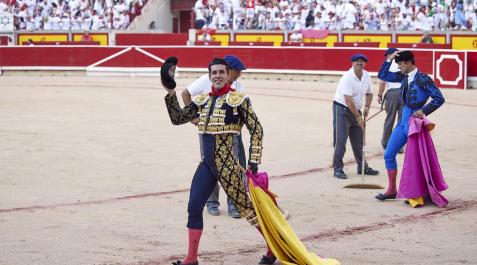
(390, 51)
(234, 63)
(359, 56)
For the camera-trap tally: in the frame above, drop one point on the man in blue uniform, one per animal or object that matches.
(416, 88)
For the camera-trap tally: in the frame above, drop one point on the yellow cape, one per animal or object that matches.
(281, 238)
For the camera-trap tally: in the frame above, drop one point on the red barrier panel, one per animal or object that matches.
(207, 43)
(246, 43)
(450, 69)
(420, 45)
(307, 58)
(151, 39)
(304, 44)
(4, 40)
(74, 43)
(269, 58)
(54, 55)
(357, 44)
(472, 63)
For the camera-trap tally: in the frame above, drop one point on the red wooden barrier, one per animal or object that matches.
(420, 45)
(207, 43)
(246, 43)
(304, 44)
(4, 40)
(357, 44)
(61, 43)
(147, 39)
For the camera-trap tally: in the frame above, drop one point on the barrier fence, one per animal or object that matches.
(450, 68)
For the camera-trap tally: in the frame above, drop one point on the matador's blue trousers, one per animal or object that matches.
(398, 139)
(203, 183)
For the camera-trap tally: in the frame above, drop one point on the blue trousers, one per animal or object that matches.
(206, 177)
(398, 139)
(203, 184)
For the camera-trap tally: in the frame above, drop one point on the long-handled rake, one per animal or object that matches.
(363, 161)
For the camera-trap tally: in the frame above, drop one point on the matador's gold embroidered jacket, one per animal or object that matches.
(228, 115)
(221, 119)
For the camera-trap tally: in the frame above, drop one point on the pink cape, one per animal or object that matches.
(421, 173)
(315, 33)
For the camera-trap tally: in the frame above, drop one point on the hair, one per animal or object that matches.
(219, 61)
(413, 61)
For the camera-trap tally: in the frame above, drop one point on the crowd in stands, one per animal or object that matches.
(65, 15)
(404, 15)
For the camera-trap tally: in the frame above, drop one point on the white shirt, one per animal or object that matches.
(350, 85)
(411, 76)
(203, 85)
(393, 69)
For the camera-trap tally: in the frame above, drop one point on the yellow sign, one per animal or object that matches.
(330, 40)
(276, 39)
(223, 38)
(464, 42)
(417, 39)
(101, 38)
(41, 37)
(382, 39)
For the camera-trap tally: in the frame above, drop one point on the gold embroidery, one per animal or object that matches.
(235, 98)
(201, 99)
(229, 176)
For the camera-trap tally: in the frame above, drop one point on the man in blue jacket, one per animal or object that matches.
(416, 88)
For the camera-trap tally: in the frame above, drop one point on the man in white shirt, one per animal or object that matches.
(391, 100)
(203, 85)
(199, 7)
(348, 120)
(296, 36)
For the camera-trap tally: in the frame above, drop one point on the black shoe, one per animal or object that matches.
(383, 197)
(180, 263)
(267, 260)
(368, 171)
(339, 173)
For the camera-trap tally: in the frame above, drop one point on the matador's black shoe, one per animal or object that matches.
(267, 260)
(368, 171)
(383, 197)
(180, 263)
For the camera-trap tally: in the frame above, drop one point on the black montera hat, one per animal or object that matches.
(404, 56)
(167, 76)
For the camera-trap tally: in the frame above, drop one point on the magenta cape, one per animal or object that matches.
(421, 173)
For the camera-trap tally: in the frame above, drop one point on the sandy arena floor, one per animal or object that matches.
(93, 172)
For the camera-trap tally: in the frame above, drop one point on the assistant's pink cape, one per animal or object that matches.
(421, 174)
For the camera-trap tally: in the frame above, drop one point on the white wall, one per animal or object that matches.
(154, 10)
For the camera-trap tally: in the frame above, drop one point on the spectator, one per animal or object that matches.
(65, 22)
(320, 21)
(199, 7)
(459, 17)
(76, 22)
(372, 23)
(86, 36)
(427, 38)
(473, 21)
(333, 23)
(296, 36)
